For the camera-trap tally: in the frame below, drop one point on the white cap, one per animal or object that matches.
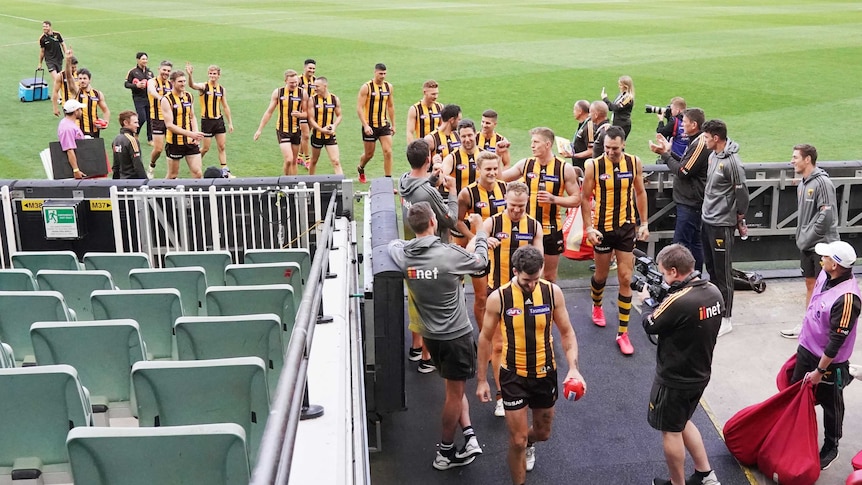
(840, 251)
(72, 105)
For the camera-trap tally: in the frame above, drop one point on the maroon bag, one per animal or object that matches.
(782, 380)
(789, 453)
(746, 430)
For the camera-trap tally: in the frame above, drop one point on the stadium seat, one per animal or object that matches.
(154, 310)
(118, 264)
(213, 262)
(237, 336)
(266, 274)
(36, 261)
(250, 300)
(7, 356)
(102, 352)
(212, 454)
(190, 281)
(17, 280)
(38, 407)
(301, 256)
(20, 309)
(76, 287)
(203, 392)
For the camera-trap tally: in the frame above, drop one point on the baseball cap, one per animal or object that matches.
(840, 251)
(72, 105)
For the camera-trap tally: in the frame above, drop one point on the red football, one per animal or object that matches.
(573, 389)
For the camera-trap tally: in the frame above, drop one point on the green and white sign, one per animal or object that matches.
(60, 222)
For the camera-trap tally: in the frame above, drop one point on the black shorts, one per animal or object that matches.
(158, 127)
(212, 127)
(177, 152)
(623, 239)
(670, 409)
(376, 133)
(54, 65)
(321, 142)
(553, 242)
(536, 392)
(809, 262)
(455, 359)
(292, 138)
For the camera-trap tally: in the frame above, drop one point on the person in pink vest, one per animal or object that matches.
(827, 338)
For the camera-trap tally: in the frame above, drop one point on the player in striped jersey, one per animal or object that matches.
(523, 311)
(490, 140)
(461, 163)
(157, 88)
(93, 101)
(290, 101)
(323, 112)
(306, 83)
(616, 182)
(424, 116)
(553, 185)
(214, 110)
(375, 107)
(62, 87)
(182, 137)
(444, 140)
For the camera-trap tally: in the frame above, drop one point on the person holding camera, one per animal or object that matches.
(686, 324)
(670, 124)
(689, 180)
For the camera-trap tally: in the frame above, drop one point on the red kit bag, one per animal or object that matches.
(575, 243)
(789, 454)
(782, 380)
(746, 430)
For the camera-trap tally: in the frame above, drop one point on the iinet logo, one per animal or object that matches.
(709, 311)
(421, 274)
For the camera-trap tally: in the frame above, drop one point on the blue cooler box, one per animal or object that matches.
(33, 89)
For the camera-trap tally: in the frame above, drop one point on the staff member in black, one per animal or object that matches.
(687, 324)
(136, 80)
(127, 149)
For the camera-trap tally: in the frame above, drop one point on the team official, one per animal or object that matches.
(127, 149)
(136, 81)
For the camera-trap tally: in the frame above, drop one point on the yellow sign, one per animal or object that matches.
(100, 205)
(31, 204)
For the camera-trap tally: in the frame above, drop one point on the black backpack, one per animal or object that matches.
(748, 280)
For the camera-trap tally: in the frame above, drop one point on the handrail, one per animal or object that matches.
(279, 435)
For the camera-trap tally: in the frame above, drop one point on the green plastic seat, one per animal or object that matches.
(204, 391)
(210, 337)
(36, 261)
(19, 310)
(76, 287)
(190, 281)
(38, 407)
(19, 279)
(211, 454)
(251, 300)
(266, 274)
(101, 351)
(301, 256)
(213, 262)
(118, 264)
(154, 310)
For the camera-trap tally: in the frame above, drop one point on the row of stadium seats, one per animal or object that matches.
(93, 359)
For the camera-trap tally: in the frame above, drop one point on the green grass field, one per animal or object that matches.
(778, 72)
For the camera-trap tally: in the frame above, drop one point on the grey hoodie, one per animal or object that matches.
(419, 189)
(433, 271)
(725, 194)
(817, 220)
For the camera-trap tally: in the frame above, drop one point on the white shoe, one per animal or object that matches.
(791, 332)
(531, 458)
(856, 371)
(150, 170)
(471, 448)
(726, 326)
(499, 411)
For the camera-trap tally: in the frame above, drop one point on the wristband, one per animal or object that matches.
(75, 170)
(822, 371)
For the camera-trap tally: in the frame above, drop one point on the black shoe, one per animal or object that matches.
(414, 354)
(447, 459)
(827, 456)
(661, 481)
(426, 367)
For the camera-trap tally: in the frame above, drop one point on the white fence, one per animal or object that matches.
(157, 221)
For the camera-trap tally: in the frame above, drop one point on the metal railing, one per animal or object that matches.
(162, 220)
(7, 244)
(279, 436)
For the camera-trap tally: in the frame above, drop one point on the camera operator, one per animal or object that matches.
(670, 125)
(686, 324)
(689, 182)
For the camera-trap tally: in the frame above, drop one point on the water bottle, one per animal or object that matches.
(742, 227)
